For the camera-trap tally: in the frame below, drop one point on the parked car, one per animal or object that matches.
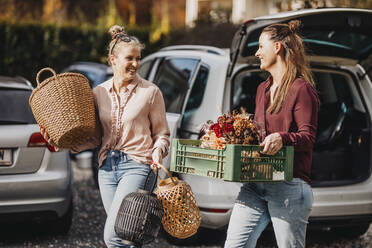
(200, 83)
(96, 73)
(35, 180)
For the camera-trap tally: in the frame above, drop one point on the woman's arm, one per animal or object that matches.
(305, 114)
(159, 125)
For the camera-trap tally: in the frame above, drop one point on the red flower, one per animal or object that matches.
(228, 128)
(217, 129)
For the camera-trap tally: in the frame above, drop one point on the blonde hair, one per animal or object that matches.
(120, 37)
(294, 57)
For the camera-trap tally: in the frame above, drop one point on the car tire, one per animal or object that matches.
(351, 232)
(61, 225)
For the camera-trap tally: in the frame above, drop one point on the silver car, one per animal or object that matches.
(202, 82)
(35, 181)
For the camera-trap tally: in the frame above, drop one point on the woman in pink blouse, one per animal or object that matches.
(134, 129)
(287, 111)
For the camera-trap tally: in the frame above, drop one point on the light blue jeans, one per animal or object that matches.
(286, 204)
(118, 176)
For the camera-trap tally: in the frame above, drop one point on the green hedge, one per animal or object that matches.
(26, 48)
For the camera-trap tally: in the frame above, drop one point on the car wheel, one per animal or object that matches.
(351, 232)
(95, 166)
(61, 225)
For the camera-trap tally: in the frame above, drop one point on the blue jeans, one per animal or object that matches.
(118, 176)
(286, 204)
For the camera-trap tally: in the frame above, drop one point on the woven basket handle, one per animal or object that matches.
(42, 70)
(168, 174)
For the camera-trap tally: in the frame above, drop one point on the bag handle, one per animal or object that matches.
(147, 180)
(42, 70)
(174, 179)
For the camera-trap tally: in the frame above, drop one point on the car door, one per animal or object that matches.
(175, 76)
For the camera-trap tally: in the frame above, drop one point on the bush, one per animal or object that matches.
(26, 48)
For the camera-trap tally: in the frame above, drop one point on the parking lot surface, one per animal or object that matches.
(89, 217)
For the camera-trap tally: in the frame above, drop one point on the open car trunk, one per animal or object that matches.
(334, 38)
(342, 150)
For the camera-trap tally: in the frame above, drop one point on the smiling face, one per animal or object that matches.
(126, 62)
(267, 52)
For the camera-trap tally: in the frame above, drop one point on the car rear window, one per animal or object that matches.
(14, 107)
(334, 43)
(91, 76)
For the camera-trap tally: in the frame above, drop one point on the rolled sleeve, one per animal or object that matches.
(159, 125)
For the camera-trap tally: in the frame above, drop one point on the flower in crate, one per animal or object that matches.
(216, 129)
(233, 128)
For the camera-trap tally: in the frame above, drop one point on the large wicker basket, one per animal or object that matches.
(181, 217)
(64, 105)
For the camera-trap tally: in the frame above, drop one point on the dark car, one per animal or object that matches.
(96, 73)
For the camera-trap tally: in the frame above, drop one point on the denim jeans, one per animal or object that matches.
(286, 204)
(118, 176)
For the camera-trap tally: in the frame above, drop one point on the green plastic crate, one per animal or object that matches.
(234, 163)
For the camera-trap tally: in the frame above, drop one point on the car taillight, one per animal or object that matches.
(213, 210)
(37, 140)
(248, 21)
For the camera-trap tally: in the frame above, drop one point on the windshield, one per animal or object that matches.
(173, 79)
(14, 107)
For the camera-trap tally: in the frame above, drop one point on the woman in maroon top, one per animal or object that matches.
(287, 111)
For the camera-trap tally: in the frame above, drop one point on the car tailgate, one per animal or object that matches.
(333, 33)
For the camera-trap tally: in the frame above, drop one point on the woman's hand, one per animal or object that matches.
(157, 158)
(47, 138)
(272, 144)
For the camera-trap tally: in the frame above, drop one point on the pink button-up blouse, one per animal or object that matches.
(134, 123)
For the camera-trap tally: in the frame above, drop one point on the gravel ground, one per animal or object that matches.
(89, 217)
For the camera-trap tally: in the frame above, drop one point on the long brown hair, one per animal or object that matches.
(294, 57)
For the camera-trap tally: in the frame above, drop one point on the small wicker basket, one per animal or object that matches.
(64, 106)
(139, 217)
(181, 217)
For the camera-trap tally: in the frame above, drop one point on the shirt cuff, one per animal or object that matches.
(285, 138)
(162, 149)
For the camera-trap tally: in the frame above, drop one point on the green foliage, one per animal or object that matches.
(27, 48)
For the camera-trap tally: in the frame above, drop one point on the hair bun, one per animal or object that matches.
(294, 26)
(115, 30)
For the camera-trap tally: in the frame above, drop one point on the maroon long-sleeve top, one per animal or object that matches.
(296, 122)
